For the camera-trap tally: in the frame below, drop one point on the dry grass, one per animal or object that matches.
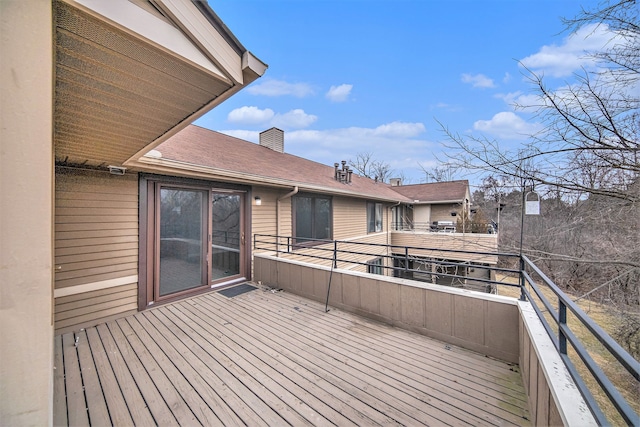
(607, 320)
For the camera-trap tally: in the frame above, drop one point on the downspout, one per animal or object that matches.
(286, 196)
(389, 231)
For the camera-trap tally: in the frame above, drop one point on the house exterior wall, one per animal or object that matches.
(349, 217)
(26, 211)
(443, 212)
(421, 216)
(96, 247)
(263, 217)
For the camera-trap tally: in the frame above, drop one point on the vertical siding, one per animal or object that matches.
(96, 246)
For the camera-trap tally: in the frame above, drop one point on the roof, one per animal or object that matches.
(218, 156)
(435, 192)
(130, 73)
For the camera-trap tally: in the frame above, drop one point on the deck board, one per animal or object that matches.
(273, 358)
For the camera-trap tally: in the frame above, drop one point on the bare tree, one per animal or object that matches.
(365, 165)
(441, 173)
(585, 160)
(591, 126)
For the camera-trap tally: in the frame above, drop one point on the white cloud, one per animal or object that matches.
(571, 55)
(478, 80)
(293, 119)
(250, 115)
(272, 87)
(399, 130)
(397, 143)
(339, 93)
(507, 125)
(507, 78)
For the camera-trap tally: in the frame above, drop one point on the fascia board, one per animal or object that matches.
(173, 166)
(193, 23)
(435, 202)
(137, 21)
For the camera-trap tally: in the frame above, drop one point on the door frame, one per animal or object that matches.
(148, 261)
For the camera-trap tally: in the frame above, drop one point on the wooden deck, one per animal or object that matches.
(272, 358)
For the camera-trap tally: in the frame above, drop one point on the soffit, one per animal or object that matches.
(117, 92)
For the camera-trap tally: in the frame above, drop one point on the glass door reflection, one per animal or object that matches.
(182, 250)
(226, 235)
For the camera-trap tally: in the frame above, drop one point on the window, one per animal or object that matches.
(374, 217)
(312, 217)
(375, 266)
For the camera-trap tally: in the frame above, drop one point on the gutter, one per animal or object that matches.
(278, 200)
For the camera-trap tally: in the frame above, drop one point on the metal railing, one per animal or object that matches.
(564, 335)
(399, 262)
(471, 227)
(398, 259)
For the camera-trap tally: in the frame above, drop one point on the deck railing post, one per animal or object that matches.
(562, 321)
(523, 296)
(406, 260)
(288, 244)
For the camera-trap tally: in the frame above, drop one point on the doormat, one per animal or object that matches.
(237, 290)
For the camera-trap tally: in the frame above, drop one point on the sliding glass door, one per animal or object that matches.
(226, 235)
(198, 238)
(182, 250)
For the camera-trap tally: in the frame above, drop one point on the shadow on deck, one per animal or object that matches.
(273, 358)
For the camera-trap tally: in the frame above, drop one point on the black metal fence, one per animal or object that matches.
(400, 261)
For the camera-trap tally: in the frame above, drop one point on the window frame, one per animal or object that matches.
(310, 241)
(373, 209)
(376, 266)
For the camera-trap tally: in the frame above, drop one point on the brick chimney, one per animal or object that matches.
(273, 138)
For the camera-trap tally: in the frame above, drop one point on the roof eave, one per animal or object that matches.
(159, 165)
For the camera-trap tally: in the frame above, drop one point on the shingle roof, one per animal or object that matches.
(221, 155)
(451, 191)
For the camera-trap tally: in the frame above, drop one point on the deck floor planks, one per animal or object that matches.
(229, 388)
(97, 407)
(293, 380)
(475, 393)
(406, 408)
(400, 382)
(183, 366)
(59, 392)
(157, 374)
(454, 360)
(265, 358)
(101, 340)
(153, 400)
(115, 401)
(247, 368)
(299, 381)
(178, 388)
(76, 404)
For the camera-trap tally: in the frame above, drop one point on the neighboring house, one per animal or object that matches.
(436, 206)
(88, 86)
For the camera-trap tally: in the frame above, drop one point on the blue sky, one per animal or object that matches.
(355, 76)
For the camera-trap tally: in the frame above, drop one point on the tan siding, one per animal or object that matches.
(349, 217)
(91, 308)
(443, 212)
(453, 241)
(96, 239)
(263, 217)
